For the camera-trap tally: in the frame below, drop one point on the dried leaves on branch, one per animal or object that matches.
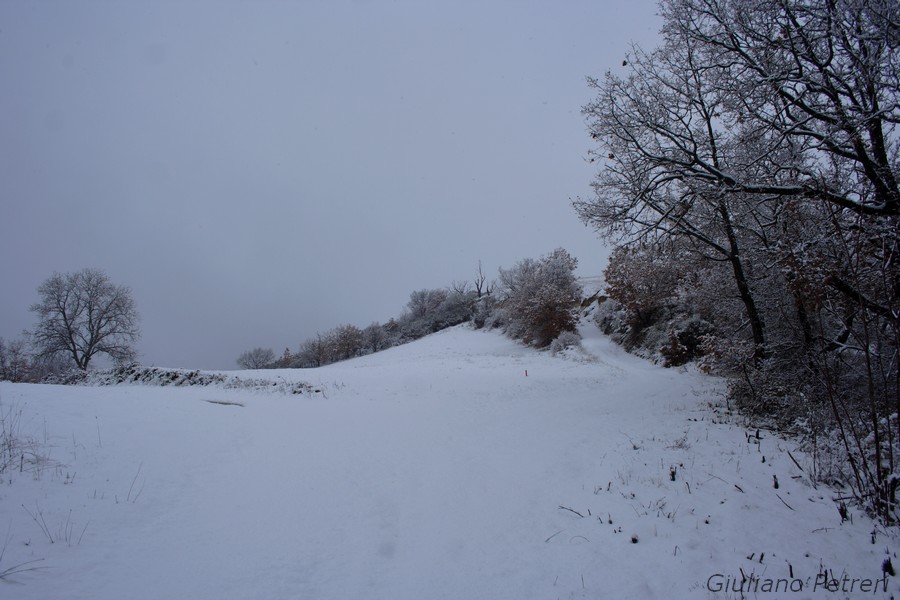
(755, 154)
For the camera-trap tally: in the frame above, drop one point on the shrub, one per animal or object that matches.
(565, 341)
(540, 298)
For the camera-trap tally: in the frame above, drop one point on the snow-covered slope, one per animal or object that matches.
(438, 469)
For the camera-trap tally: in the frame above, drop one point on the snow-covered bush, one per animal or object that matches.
(426, 312)
(642, 283)
(686, 338)
(565, 341)
(610, 318)
(649, 310)
(425, 302)
(484, 312)
(540, 298)
(429, 311)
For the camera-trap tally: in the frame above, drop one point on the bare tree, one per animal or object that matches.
(287, 361)
(819, 80)
(424, 302)
(316, 351)
(375, 337)
(42, 368)
(258, 358)
(667, 154)
(762, 136)
(482, 286)
(347, 341)
(460, 286)
(18, 367)
(14, 361)
(4, 361)
(83, 314)
(747, 108)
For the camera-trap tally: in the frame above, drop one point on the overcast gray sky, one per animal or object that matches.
(259, 171)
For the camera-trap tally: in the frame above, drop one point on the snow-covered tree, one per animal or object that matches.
(539, 298)
(315, 352)
(346, 341)
(287, 360)
(375, 338)
(761, 139)
(424, 302)
(431, 310)
(643, 279)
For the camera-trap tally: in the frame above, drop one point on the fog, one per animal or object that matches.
(260, 171)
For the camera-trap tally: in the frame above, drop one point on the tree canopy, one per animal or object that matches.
(755, 152)
(83, 314)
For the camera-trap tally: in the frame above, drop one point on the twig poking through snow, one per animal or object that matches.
(783, 502)
(42, 523)
(82, 533)
(128, 499)
(19, 568)
(578, 537)
(570, 510)
(554, 535)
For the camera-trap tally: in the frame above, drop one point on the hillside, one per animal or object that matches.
(460, 466)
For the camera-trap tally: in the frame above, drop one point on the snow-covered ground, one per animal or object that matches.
(438, 469)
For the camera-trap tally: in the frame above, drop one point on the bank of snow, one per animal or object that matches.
(438, 469)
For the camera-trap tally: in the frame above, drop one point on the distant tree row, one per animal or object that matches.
(16, 362)
(19, 363)
(426, 312)
(534, 302)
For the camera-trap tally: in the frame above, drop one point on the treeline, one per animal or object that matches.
(750, 176)
(428, 311)
(534, 301)
(20, 364)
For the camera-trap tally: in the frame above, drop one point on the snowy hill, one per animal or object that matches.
(437, 469)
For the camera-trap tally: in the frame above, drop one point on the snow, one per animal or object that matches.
(437, 469)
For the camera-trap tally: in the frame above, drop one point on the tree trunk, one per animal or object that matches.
(740, 278)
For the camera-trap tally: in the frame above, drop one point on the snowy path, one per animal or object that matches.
(432, 470)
